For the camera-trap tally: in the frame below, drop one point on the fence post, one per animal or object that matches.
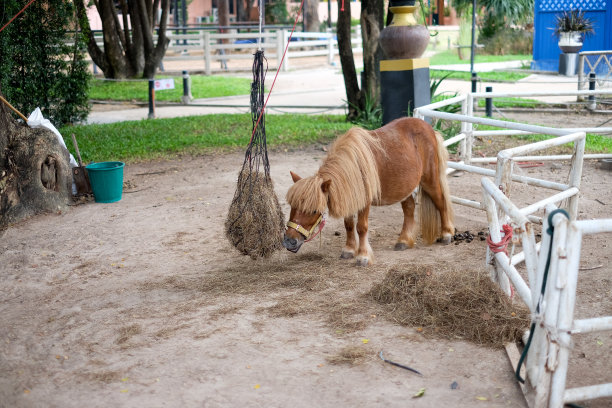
(489, 103)
(279, 48)
(330, 48)
(592, 103)
(580, 73)
(285, 38)
(469, 130)
(207, 53)
(151, 98)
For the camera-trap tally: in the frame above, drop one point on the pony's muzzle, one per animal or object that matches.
(292, 244)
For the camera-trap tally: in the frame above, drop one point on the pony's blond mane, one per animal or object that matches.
(351, 168)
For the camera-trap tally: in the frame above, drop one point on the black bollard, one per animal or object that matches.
(151, 99)
(592, 77)
(186, 98)
(474, 79)
(489, 103)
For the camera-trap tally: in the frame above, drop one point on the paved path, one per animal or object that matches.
(321, 90)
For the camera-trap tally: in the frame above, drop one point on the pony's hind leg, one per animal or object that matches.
(364, 253)
(350, 247)
(406, 238)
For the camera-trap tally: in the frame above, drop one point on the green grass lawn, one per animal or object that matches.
(138, 90)
(595, 143)
(493, 76)
(167, 138)
(449, 57)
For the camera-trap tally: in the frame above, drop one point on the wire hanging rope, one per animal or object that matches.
(255, 222)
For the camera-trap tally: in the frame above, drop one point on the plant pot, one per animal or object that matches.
(570, 42)
(404, 37)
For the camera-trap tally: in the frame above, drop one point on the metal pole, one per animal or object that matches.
(473, 36)
(329, 24)
(184, 17)
(489, 103)
(474, 80)
(151, 99)
(592, 77)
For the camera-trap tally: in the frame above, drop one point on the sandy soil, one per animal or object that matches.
(143, 302)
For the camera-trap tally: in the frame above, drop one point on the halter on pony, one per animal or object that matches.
(307, 233)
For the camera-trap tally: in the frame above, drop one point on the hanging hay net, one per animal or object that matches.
(452, 303)
(255, 221)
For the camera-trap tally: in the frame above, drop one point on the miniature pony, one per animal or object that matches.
(379, 167)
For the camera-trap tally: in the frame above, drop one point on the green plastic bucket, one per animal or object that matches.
(106, 179)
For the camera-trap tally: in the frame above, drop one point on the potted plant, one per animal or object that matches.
(571, 27)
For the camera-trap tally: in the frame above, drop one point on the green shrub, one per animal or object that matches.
(276, 12)
(37, 66)
(508, 41)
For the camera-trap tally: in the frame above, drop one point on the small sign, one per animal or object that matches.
(161, 84)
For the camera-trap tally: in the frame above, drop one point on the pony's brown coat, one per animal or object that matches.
(382, 167)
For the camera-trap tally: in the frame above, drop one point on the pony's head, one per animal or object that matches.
(308, 200)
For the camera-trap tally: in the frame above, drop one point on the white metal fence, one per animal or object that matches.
(597, 62)
(547, 360)
(550, 293)
(504, 173)
(216, 49)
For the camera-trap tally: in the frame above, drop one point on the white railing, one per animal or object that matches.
(504, 174)
(213, 47)
(601, 65)
(547, 361)
(549, 365)
(550, 294)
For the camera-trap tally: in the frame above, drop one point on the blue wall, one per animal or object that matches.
(545, 49)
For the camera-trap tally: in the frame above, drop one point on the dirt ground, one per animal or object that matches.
(143, 302)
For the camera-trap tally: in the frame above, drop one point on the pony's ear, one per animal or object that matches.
(295, 177)
(325, 186)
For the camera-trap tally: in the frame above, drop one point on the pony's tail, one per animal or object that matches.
(429, 217)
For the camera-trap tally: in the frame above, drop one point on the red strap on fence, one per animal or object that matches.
(501, 246)
(16, 15)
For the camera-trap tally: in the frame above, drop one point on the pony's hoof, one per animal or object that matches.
(445, 240)
(363, 261)
(347, 255)
(400, 246)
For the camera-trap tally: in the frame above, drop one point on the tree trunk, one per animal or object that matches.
(35, 173)
(128, 52)
(347, 61)
(154, 56)
(371, 25)
(242, 15)
(311, 16)
(223, 13)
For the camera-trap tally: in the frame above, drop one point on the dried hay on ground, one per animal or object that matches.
(351, 355)
(255, 221)
(452, 302)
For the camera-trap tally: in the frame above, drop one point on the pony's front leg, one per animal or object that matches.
(350, 247)
(364, 253)
(406, 238)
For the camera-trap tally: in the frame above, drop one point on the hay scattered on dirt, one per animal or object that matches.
(255, 221)
(452, 302)
(310, 289)
(127, 332)
(351, 355)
